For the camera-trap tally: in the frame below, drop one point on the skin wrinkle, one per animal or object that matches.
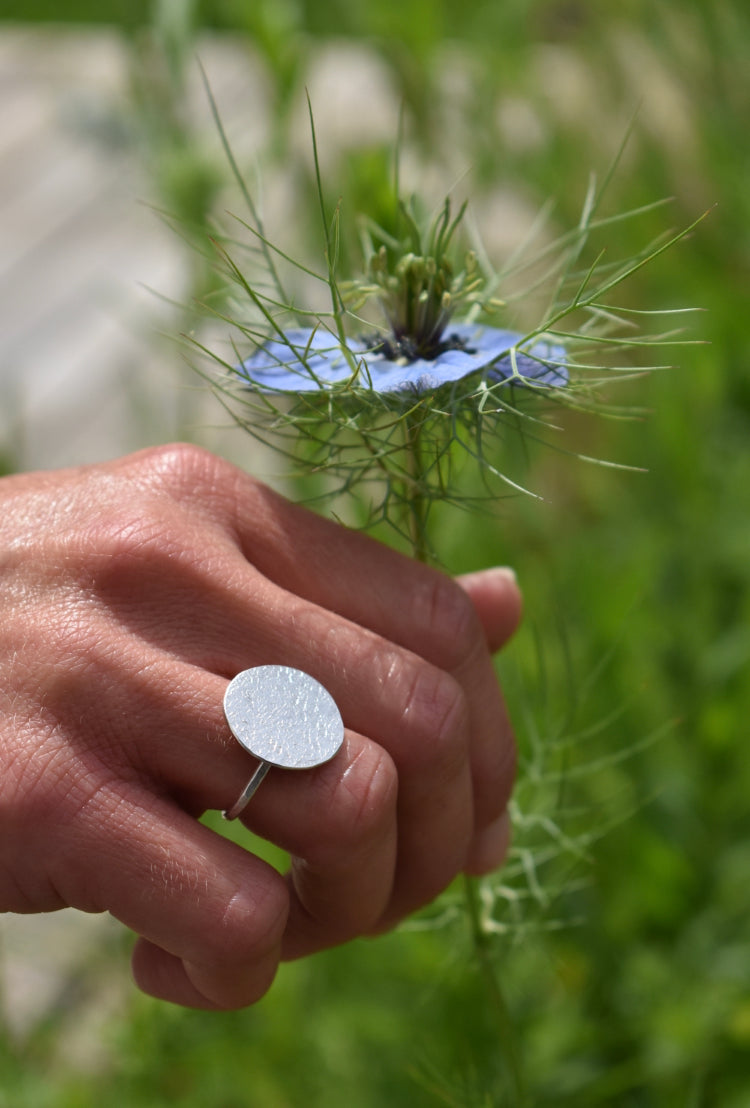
(170, 690)
(85, 654)
(20, 892)
(155, 549)
(385, 681)
(352, 767)
(98, 636)
(153, 608)
(181, 470)
(47, 764)
(211, 734)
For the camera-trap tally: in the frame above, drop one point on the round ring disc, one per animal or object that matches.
(283, 716)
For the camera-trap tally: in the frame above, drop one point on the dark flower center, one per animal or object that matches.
(404, 349)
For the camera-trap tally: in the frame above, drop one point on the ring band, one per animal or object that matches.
(248, 792)
(284, 717)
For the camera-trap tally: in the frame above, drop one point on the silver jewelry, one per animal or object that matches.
(284, 717)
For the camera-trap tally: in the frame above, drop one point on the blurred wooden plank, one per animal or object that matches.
(79, 363)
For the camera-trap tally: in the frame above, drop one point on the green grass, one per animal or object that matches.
(640, 994)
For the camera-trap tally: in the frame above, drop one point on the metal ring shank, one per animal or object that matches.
(247, 793)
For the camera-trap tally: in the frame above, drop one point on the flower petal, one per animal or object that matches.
(307, 359)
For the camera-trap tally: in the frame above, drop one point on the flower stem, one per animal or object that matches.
(417, 505)
(483, 953)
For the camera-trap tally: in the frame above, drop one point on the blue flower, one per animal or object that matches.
(307, 360)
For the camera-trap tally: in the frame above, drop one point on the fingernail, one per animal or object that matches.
(504, 572)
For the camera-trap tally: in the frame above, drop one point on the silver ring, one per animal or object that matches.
(285, 718)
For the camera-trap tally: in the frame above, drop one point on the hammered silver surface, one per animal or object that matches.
(283, 716)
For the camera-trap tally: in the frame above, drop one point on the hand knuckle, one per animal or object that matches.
(436, 715)
(209, 486)
(370, 789)
(451, 621)
(358, 805)
(249, 933)
(179, 467)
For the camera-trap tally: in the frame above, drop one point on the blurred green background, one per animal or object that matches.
(627, 965)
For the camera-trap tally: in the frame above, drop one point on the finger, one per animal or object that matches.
(495, 595)
(212, 914)
(345, 833)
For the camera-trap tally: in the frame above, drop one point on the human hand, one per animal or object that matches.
(130, 592)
